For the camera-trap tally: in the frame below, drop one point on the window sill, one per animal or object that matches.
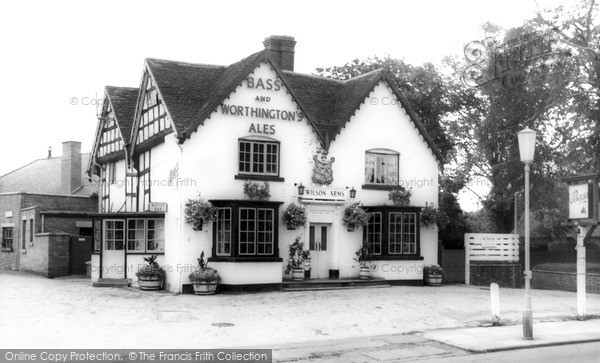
(259, 177)
(397, 258)
(145, 253)
(379, 186)
(245, 259)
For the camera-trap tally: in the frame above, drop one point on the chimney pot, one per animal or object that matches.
(281, 50)
(49, 152)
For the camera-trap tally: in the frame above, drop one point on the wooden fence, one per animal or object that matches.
(490, 247)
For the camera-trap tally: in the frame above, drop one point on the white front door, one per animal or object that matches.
(319, 255)
(113, 254)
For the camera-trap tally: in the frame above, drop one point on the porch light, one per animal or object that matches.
(352, 193)
(301, 189)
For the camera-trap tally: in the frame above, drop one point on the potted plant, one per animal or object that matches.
(298, 260)
(355, 216)
(433, 275)
(150, 276)
(199, 212)
(205, 279)
(431, 216)
(400, 196)
(294, 216)
(363, 256)
(257, 191)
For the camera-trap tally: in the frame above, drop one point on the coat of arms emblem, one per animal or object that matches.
(322, 173)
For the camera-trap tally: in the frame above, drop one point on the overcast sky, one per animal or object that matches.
(55, 52)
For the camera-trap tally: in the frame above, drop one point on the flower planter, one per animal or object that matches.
(433, 280)
(297, 274)
(150, 283)
(351, 229)
(290, 228)
(202, 288)
(365, 272)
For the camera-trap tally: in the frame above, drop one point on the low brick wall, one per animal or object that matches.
(48, 255)
(565, 281)
(505, 274)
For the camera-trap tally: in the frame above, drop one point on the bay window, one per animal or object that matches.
(393, 232)
(245, 230)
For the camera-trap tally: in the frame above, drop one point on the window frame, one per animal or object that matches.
(385, 233)
(155, 239)
(105, 231)
(381, 152)
(235, 208)
(258, 175)
(8, 243)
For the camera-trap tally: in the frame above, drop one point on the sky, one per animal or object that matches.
(57, 56)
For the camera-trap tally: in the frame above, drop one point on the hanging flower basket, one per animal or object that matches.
(355, 217)
(199, 212)
(294, 216)
(257, 191)
(431, 216)
(400, 196)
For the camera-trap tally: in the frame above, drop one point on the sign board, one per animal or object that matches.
(325, 194)
(320, 216)
(580, 206)
(158, 207)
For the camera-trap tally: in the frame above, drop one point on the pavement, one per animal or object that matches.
(440, 343)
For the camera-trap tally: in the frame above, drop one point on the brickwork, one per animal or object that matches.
(505, 274)
(48, 255)
(565, 281)
(56, 263)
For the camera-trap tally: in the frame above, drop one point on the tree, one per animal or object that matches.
(423, 87)
(555, 92)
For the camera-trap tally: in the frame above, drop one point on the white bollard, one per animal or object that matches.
(495, 303)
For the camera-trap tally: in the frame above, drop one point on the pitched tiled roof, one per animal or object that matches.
(184, 87)
(191, 92)
(123, 101)
(42, 176)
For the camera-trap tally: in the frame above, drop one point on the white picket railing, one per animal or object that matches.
(490, 247)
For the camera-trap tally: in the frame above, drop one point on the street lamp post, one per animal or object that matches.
(526, 139)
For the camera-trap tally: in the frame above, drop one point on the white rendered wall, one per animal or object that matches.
(207, 163)
(381, 122)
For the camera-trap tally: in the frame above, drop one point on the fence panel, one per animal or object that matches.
(490, 247)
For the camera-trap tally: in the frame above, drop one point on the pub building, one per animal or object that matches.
(196, 129)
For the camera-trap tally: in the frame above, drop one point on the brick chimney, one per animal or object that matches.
(281, 50)
(70, 167)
